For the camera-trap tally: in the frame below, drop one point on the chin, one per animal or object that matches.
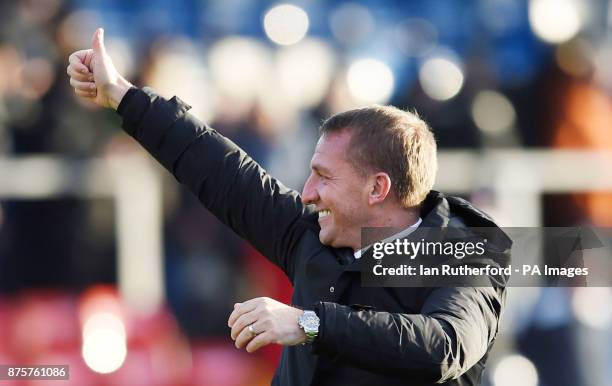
(325, 238)
(330, 241)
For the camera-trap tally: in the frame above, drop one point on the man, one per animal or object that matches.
(372, 167)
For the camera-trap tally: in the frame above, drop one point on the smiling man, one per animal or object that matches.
(372, 167)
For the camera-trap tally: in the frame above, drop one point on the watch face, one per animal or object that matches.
(310, 321)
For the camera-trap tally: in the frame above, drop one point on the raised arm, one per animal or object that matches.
(225, 179)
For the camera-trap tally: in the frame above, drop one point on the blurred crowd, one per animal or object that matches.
(486, 75)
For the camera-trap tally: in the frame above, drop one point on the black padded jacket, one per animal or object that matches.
(368, 336)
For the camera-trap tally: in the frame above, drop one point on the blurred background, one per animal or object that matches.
(108, 265)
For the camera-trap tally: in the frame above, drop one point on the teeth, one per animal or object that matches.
(324, 213)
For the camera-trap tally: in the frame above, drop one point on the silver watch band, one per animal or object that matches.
(310, 337)
(309, 323)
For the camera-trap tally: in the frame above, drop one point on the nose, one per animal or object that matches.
(309, 193)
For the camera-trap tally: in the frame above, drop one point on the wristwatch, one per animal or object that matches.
(309, 322)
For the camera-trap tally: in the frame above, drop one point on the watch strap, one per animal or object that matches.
(311, 334)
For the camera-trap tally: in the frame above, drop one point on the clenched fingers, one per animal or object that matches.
(79, 60)
(259, 341)
(80, 76)
(240, 309)
(86, 94)
(244, 337)
(242, 322)
(82, 86)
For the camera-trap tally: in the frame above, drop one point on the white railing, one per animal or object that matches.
(135, 186)
(515, 178)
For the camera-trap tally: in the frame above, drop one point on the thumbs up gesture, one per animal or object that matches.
(93, 75)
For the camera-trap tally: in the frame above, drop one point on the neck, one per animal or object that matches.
(387, 223)
(397, 218)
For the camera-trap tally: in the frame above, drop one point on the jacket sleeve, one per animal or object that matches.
(225, 179)
(450, 335)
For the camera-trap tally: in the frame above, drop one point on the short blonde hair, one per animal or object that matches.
(394, 141)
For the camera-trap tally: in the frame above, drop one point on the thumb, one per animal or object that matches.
(98, 42)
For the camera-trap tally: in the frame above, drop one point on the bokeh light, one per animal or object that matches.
(416, 37)
(240, 67)
(441, 78)
(104, 346)
(370, 81)
(593, 306)
(103, 320)
(576, 57)
(603, 63)
(554, 21)
(286, 24)
(493, 112)
(351, 23)
(104, 342)
(76, 29)
(305, 71)
(164, 77)
(515, 370)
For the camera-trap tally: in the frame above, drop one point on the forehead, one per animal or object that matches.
(332, 147)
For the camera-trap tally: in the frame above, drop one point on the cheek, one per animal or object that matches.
(347, 211)
(346, 202)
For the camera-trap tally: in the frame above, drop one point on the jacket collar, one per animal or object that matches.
(435, 210)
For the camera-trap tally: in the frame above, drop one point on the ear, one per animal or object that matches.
(380, 186)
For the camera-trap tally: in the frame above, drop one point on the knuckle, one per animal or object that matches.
(239, 325)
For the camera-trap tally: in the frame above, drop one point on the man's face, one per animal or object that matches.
(339, 193)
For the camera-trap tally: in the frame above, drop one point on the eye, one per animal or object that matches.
(322, 177)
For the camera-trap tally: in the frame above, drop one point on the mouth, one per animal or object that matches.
(324, 213)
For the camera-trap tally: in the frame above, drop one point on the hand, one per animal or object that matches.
(272, 321)
(93, 75)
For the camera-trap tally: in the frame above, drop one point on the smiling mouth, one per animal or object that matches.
(324, 213)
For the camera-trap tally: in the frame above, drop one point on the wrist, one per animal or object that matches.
(117, 91)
